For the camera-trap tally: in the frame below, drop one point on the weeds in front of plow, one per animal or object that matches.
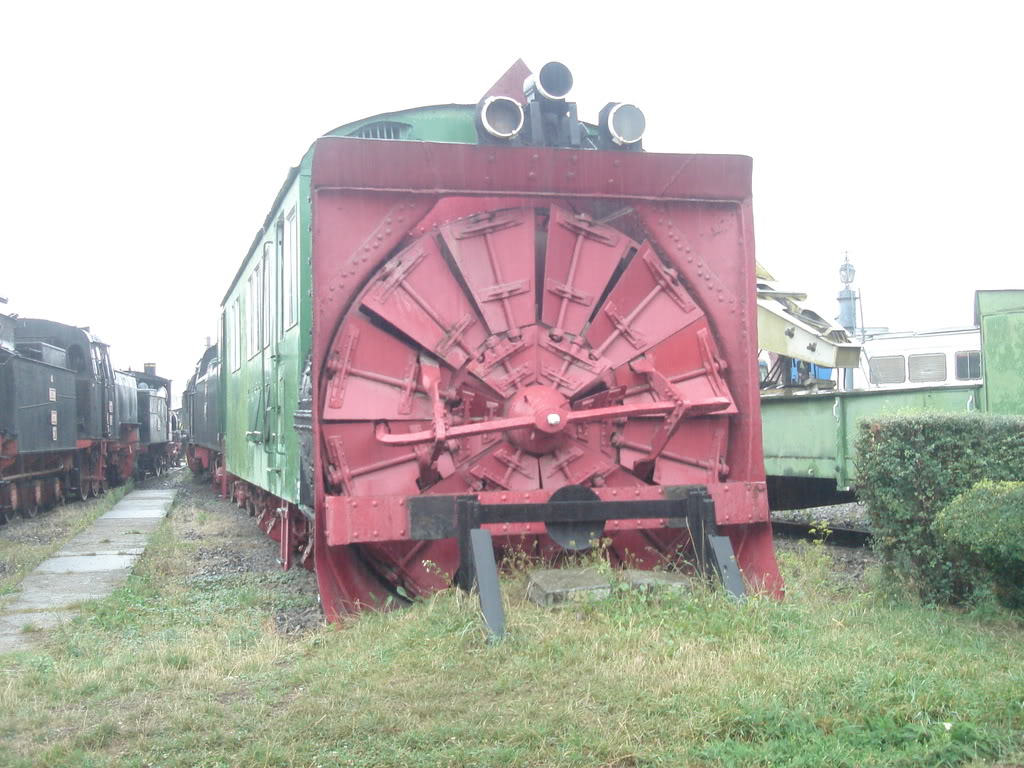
(176, 670)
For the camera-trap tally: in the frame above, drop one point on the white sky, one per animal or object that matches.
(143, 144)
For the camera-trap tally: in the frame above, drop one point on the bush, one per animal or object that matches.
(911, 466)
(985, 526)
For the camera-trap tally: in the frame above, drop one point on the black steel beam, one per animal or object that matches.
(436, 517)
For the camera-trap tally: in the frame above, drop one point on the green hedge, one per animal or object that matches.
(985, 526)
(911, 466)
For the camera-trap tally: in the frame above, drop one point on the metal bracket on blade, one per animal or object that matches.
(663, 389)
(668, 280)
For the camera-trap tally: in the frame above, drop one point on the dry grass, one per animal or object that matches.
(178, 671)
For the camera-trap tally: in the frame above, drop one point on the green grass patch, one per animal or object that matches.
(25, 544)
(180, 668)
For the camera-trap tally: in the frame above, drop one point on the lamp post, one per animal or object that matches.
(848, 309)
(847, 297)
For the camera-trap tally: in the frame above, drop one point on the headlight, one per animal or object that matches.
(624, 124)
(500, 116)
(553, 82)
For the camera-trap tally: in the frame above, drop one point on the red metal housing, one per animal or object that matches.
(506, 321)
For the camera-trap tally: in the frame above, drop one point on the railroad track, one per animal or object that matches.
(841, 536)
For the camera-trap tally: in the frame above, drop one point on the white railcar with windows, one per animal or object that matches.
(946, 357)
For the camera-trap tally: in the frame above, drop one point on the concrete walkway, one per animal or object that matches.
(90, 566)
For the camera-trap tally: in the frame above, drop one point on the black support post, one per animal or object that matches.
(477, 566)
(487, 582)
(713, 552)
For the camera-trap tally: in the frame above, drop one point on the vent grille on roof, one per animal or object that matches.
(928, 367)
(383, 129)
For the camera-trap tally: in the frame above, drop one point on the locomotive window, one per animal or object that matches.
(268, 293)
(234, 337)
(890, 369)
(281, 267)
(290, 274)
(930, 367)
(103, 356)
(254, 311)
(76, 360)
(968, 365)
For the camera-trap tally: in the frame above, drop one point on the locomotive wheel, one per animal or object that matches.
(83, 491)
(516, 350)
(7, 514)
(30, 511)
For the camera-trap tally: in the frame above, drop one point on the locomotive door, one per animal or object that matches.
(273, 326)
(105, 374)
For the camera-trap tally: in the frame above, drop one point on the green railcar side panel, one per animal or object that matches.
(1001, 317)
(813, 436)
(265, 350)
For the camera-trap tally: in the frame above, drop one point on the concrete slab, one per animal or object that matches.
(20, 631)
(142, 504)
(117, 525)
(34, 620)
(652, 581)
(559, 585)
(105, 539)
(17, 641)
(133, 512)
(87, 563)
(89, 567)
(107, 550)
(41, 591)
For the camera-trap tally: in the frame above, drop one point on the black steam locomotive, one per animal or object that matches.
(70, 425)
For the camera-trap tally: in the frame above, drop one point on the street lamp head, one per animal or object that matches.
(846, 272)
